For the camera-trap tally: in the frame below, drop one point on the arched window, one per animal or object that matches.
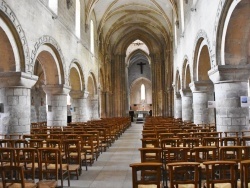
(182, 16)
(143, 92)
(92, 47)
(78, 19)
(53, 5)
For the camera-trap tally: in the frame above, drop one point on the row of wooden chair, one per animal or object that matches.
(47, 162)
(201, 161)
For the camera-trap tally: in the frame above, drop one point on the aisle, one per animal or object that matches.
(112, 170)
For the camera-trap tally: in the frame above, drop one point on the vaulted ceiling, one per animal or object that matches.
(144, 19)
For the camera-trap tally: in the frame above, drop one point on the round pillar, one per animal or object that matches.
(56, 104)
(202, 93)
(186, 103)
(230, 83)
(15, 106)
(79, 104)
(178, 106)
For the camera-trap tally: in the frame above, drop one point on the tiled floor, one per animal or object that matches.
(112, 170)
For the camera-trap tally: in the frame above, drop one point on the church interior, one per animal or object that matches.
(122, 86)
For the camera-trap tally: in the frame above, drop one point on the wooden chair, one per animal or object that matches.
(170, 142)
(245, 173)
(87, 146)
(221, 174)
(73, 156)
(17, 177)
(184, 173)
(173, 155)
(231, 153)
(149, 180)
(25, 157)
(230, 141)
(150, 155)
(21, 143)
(51, 167)
(245, 140)
(7, 157)
(36, 143)
(150, 142)
(4, 143)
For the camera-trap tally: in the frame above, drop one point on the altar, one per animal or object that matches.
(140, 116)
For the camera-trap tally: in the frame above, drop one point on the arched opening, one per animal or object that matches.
(139, 76)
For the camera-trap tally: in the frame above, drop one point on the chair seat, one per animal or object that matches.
(18, 185)
(222, 185)
(73, 167)
(186, 186)
(47, 184)
(53, 166)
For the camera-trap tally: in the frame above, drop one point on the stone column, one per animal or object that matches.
(119, 86)
(202, 93)
(94, 107)
(178, 106)
(157, 91)
(56, 104)
(15, 101)
(79, 104)
(103, 112)
(230, 82)
(186, 103)
(108, 104)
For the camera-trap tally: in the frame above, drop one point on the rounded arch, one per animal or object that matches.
(233, 34)
(76, 77)
(201, 61)
(13, 43)
(51, 66)
(92, 85)
(186, 75)
(48, 45)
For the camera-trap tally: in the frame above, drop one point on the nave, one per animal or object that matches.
(112, 170)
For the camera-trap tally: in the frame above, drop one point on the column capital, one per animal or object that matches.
(201, 86)
(79, 94)
(23, 79)
(186, 93)
(177, 94)
(56, 89)
(229, 73)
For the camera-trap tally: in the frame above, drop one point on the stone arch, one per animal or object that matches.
(186, 74)
(151, 42)
(201, 61)
(92, 85)
(48, 49)
(233, 34)
(76, 77)
(47, 58)
(13, 43)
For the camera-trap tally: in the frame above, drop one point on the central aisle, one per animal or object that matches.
(112, 170)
